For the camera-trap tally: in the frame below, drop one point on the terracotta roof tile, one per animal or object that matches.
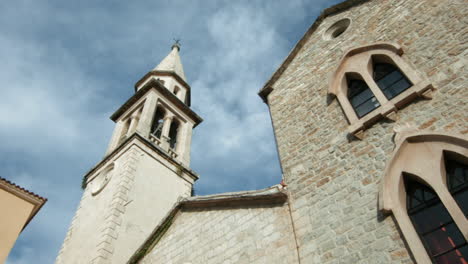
(21, 189)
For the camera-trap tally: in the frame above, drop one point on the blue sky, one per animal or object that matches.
(68, 65)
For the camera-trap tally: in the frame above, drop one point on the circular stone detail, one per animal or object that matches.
(98, 183)
(337, 29)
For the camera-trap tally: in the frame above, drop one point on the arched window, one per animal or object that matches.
(390, 79)
(440, 235)
(425, 188)
(361, 97)
(457, 180)
(173, 131)
(393, 83)
(158, 121)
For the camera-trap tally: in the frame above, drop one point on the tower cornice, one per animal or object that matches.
(139, 138)
(154, 84)
(156, 73)
(162, 73)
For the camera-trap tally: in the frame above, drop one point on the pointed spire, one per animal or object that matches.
(172, 62)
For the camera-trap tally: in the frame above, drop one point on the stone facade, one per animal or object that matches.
(255, 232)
(112, 224)
(142, 174)
(330, 210)
(334, 181)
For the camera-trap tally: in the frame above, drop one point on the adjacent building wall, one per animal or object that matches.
(235, 234)
(334, 183)
(15, 212)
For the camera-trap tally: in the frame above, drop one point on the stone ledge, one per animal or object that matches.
(389, 109)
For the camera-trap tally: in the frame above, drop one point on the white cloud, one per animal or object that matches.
(44, 106)
(66, 67)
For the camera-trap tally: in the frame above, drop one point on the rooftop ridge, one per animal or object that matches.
(21, 189)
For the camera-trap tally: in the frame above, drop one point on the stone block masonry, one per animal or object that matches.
(333, 181)
(234, 234)
(113, 217)
(329, 212)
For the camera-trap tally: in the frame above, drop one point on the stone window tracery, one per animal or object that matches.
(425, 188)
(391, 80)
(440, 235)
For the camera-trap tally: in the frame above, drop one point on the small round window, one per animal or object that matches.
(337, 29)
(98, 183)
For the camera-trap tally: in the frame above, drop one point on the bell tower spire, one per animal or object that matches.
(144, 172)
(172, 62)
(166, 120)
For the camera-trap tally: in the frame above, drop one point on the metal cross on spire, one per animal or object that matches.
(176, 43)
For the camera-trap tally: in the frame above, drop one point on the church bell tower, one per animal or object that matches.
(144, 172)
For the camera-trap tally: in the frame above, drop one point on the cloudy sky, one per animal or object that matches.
(68, 65)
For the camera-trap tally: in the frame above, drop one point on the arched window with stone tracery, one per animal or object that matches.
(425, 188)
(457, 179)
(384, 74)
(440, 235)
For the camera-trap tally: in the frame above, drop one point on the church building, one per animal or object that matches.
(370, 116)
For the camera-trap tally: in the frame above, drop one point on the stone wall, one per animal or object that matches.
(334, 182)
(236, 234)
(110, 225)
(92, 229)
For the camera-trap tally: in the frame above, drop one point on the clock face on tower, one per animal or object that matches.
(98, 183)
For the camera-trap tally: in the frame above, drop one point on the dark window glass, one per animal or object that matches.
(455, 256)
(390, 79)
(441, 237)
(173, 134)
(457, 179)
(361, 97)
(158, 120)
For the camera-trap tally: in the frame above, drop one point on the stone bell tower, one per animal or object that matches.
(144, 172)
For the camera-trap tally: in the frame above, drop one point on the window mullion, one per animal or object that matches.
(379, 95)
(454, 211)
(348, 108)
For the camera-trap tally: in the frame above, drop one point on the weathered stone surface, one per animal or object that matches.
(331, 214)
(337, 185)
(234, 234)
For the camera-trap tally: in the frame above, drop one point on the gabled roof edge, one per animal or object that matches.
(36, 200)
(272, 194)
(12, 185)
(267, 87)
